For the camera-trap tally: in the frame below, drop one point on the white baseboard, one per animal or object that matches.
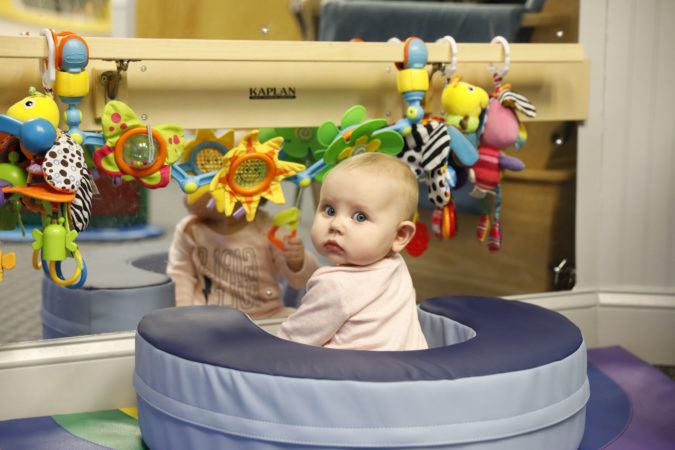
(94, 372)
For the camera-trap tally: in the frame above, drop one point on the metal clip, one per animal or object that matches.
(111, 80)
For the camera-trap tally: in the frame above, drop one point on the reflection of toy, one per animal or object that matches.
(249, 172)
(7, 262)
(288, 217)
(202, 158)
(136, 151)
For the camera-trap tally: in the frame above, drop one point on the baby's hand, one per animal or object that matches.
(294, 252)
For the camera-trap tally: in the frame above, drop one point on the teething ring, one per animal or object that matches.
(258, 187)
(37, 261)
(56, 275)
(48, 66)
(271, 235)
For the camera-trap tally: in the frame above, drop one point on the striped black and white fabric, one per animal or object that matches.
(426, 150)
(432, 141)
(80, 207)
(516, 101)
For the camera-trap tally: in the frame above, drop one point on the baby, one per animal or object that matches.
(363, 221)
(223, 260)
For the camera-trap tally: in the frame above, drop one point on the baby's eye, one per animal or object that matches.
(359, 217)
(329, 210)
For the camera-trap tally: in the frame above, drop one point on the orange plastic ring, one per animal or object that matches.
(446, 223)
(159, 162)
(272, 236)
(271, 173)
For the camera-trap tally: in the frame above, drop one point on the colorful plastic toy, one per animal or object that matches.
(202, 158)
(251, 171)
(135, 151)
(413, 82)
(299, 143)
(499, 130)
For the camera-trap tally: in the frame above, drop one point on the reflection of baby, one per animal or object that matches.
(219, 260)
(363, 221)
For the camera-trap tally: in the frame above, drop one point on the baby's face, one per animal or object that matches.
(357, 219)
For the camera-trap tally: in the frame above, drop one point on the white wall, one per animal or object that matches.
(626, 191)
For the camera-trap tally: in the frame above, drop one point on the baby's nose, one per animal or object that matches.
(337, 224)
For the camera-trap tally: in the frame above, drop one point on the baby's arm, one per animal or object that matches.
(181, 269)
(321, 314)
(295, 263)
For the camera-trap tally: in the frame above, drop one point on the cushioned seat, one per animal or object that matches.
(501, 374)
(123, 284)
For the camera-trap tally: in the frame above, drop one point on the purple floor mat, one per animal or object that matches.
(632, 405)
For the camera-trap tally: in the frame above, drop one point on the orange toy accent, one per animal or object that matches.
(41, 192)
(264, 184)
(159, 161)
(60, 39)
(271, 235)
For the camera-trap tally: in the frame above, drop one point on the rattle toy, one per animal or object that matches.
(202, 158)
(249, 172)
(134, 151)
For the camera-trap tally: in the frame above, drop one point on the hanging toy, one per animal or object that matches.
(300, 144)
(355, 135)
(54, 244)
(249, 172)
(62, 165)
(500, 129)
(412, 81)
(202, 158)
(134, 151)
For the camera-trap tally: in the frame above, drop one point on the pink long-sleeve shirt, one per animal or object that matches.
(239, 269)
(358, 307)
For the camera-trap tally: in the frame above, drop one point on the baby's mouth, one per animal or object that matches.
(333, 247)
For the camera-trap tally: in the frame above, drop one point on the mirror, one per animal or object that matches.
(538, 212)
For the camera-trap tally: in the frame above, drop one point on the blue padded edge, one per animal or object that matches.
(227, 338)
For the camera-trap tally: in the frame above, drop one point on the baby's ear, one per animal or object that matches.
(404, 233)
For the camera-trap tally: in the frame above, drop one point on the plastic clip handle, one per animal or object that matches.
(290, 217)
(507, 57)
(48, 74)
(450, 69)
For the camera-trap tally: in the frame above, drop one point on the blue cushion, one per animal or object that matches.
(216, 336)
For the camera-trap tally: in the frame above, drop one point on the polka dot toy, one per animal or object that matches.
(63, 164)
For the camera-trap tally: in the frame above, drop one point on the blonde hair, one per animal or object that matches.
(405, 188)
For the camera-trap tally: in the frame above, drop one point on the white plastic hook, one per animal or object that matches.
(48, 74)
(449, 70)
(507, 57)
